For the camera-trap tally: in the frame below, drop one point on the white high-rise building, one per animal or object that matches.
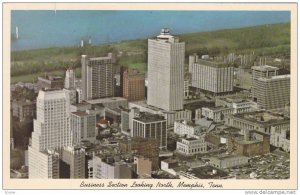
(70, 79)
(165, 72)
(51, 133)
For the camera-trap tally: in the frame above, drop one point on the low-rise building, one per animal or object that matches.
(258, 120)
(192, 145)
(280, 137)
(186, 128)
(228, 161)
(254, 143)
(217, 114)
(148, 148)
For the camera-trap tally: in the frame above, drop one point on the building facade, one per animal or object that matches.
(51, 133)
(24, 109)
(273, 92)
(83, 126)
(263, 71)
(185, 128)
(108, 168)
(43, 164)
(133, 85)
(97, 77)
(165, 72)
(150, 126)
(75, 158)
(50, 82)
(191, 146)
(228, 161)
(70, 79)
(217, 114)
(212, 76)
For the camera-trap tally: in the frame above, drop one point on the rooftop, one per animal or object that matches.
(206, 172)
(264, 68)
(80, 113)
(211, 63)
(262, 117)
(106, 100)
(148, 118)
(273, 78)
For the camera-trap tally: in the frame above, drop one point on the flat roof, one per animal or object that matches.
(257, 117)
(147, 118)
(80, 113)
(106, 100)
(264, 68)
(211, 63)
(273, 78)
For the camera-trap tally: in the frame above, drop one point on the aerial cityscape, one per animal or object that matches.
(213, 104)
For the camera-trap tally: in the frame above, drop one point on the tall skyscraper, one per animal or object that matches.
(212, 76)
(70, 79)
(97, 77)
(51, 133)
(165, 71)
(133, 85)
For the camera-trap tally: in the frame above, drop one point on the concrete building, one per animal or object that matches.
(105, 167)
(228, 161)
(75, 158)
(70, 79)
(165, 72)
(273, 92)
(258, 120)
(43, 164)
(191, 146)
(79, 96)
(113, 102)
(133, 85)
(186, 128)
(254, 143)
(186, 85)
(24, 109)
(280, 137)
(150, 126)
(50, 82)
(170, 116)
(127, 116)
(83, 126)
(239, 105)
(51, 132)
(263, 71)
(146, 147)
(52, 125)
(192, 60)
(72, 95)
(143, 166)
(97, 77)
(217, 114)
(213, 77)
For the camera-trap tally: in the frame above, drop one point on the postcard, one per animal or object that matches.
(189, 96)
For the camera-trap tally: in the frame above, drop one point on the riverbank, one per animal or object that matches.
(265, 40)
